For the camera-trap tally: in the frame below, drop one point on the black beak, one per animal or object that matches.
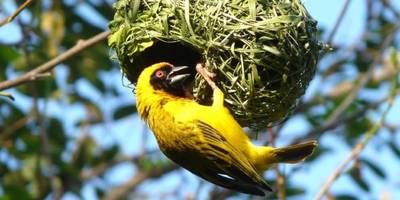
(178, 74)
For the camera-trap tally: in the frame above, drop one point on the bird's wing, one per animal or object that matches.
(228, 160)
(215, 177)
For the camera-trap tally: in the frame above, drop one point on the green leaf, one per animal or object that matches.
(56, 139)
(357, 128)
(292, 191)
(394, 57)
(44, 87)
(95, 115)
(375, 168)
(124, 111)
(356, 175)
(289, 191)
(85, 156)
(16, 192)
(115, 38)
(111, 153)
(29, 167)
(56, 132)
(8, 54)
(317, 153)
(394, 148)
(8, 95)
(345, 197)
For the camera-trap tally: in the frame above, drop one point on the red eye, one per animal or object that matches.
(160, 74)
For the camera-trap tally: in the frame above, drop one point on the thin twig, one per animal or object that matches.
(79, 46)
(8, 95)
(12, 128)
(131, 184)
(344, 120)
(35, 110)
(341, 89)
(44, 140)
(338, 21)
(221, 194)
(16, 13)
(280, 182)
(280, 179)
(354, 153)
(82, 138)
(356, 150)
(196, 194)
(40, 117)
(389, 5)
(100, 168)
(363, 80)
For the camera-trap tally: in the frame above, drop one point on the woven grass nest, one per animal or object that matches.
(264, 52)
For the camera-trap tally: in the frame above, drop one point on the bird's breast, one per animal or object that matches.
(172, 133)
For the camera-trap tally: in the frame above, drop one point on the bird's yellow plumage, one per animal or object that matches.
(206, 140)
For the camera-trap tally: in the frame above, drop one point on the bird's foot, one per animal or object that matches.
(218, 96)
(208, 76)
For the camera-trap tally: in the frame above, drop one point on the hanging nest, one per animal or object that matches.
(263, 52)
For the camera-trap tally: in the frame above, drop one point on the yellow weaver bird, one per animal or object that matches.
(206, 140)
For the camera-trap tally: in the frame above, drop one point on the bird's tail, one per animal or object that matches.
(294, 153)
(290, 154)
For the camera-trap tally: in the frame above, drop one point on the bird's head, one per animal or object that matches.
(164, 78)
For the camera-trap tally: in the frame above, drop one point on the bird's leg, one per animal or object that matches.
(218, 95)
(206, 75)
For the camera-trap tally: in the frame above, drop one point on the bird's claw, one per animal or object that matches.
(208, 76)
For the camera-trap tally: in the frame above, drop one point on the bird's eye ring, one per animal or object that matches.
(160, 74)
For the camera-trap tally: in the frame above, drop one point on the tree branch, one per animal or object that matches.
(40, 118)
(356, 150)
(16, 13)
(338, 21)
(100, 168)
(363, 80)
(280, 179)
(344, 120)
(123, 190)
(42, 69)
(220, 194)
(12, 128)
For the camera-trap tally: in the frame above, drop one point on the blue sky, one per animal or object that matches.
(325, 12)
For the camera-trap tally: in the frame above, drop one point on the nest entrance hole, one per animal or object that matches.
(175, 53)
